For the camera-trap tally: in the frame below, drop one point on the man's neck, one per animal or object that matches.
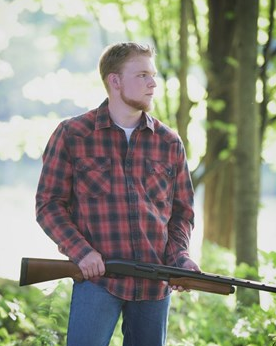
(124, 115)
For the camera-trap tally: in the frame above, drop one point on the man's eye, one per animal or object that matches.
(142, 75)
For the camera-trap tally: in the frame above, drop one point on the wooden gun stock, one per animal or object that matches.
(36, 270)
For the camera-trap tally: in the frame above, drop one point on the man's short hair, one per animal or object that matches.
(116, 55)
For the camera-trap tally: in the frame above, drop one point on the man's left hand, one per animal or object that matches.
(189, 264)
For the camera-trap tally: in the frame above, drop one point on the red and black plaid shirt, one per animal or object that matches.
(126, 200)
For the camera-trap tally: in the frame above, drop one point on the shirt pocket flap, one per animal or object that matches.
(160, 167)
(93, 164)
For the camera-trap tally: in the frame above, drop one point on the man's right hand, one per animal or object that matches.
(92, 265)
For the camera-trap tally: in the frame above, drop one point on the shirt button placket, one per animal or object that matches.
(133, 207)
(134, 218)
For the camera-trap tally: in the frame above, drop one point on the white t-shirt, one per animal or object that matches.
(128, 131)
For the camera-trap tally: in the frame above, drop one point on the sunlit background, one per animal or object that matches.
(40, 85)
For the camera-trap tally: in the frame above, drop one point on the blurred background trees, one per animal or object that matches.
(217, 88)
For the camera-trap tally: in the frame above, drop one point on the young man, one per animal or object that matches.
(115, 184)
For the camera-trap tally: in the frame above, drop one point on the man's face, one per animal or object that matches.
(137, 81)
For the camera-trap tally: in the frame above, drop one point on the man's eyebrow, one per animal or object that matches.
(148, 72)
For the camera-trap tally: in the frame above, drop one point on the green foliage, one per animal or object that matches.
(196, 318)
(228, 129)
(243, 270)
(31, 317)
(204, 319)
(217, 259)
(28, 317)
(216, 105)
(269, 258)
(71, 33)
(231, 61)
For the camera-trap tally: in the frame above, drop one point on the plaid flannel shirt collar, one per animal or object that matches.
(103, 119)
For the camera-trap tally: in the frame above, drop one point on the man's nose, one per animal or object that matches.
(152, 82)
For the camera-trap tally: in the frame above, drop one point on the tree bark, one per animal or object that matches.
(182, 115)
(247, 157)
(218, 203)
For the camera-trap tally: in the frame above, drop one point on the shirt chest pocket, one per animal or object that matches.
(93, 176)
(159, 179)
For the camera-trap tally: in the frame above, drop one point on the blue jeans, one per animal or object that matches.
(94, 313)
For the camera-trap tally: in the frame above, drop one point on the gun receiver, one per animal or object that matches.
(35, 270)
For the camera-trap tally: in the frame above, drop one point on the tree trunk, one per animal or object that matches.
(247, 165)
(182, 115)
(218, 204)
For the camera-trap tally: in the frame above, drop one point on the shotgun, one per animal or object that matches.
(35, 270)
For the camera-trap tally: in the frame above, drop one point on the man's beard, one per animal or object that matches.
(138, 105)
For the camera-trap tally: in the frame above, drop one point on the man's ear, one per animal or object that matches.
(114, 80)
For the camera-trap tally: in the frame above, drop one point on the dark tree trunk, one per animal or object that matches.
(218, 203)
(247, 165)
